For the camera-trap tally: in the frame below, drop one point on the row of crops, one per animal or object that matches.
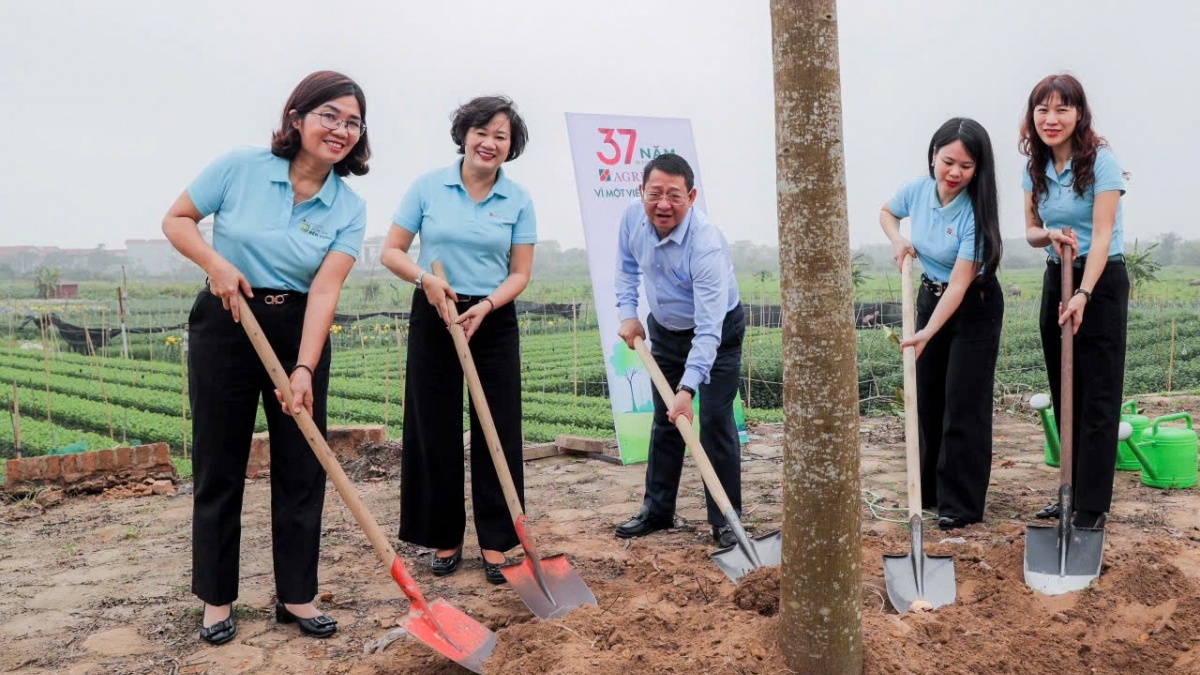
(67, 397)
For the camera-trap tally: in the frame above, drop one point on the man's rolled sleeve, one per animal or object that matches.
(628, 274)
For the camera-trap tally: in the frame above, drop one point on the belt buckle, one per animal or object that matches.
(277, 299)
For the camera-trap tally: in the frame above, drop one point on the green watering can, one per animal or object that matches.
(1167, 455)
(1126, 460)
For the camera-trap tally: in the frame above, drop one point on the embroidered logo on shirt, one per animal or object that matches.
(314, 229)
(949, 230)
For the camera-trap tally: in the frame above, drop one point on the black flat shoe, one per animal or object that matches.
(1049, 511)
(443, 566)
(643, 523)
(491, 571)
(724, 536)
(220, 632)
(319, 626)
(951, 523)
(1089, 520)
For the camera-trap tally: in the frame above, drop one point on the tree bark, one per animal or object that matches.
(821, 585)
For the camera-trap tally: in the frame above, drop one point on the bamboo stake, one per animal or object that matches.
(46, 363)
(87, 334)
(575, 344)
(183, 399)
(387, 386)
(750, 357)
(16, 420)
(1171, 363)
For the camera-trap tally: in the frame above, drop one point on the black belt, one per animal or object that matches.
(935, 287)
(272, 296)
(1082, 260)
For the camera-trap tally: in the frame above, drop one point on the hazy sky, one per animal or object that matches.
(114, 107)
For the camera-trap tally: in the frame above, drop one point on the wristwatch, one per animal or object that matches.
(420, 276)
(684, 387)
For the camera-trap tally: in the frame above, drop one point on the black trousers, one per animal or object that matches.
(955, 377)
(718, 430)
(432, 504)
(1099, 378)
(226, 381)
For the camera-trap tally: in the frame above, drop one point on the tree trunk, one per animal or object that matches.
(821, 585)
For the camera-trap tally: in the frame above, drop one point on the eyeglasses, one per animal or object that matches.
(333, 123)
(673, 198)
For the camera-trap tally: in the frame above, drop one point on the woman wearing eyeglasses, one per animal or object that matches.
(960, 308)
(286, 233)
(481, 226)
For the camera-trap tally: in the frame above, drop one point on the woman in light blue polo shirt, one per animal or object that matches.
(482, 227)
(1073, 180)
(960, 308)
(286, 233)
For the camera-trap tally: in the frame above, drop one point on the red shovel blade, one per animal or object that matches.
(555, 591)
(443, 627)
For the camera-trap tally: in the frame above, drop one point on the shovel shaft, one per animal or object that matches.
(912, 451)
(387, 555)
(685, 429)
(1066, 386)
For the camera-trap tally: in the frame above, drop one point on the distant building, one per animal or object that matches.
(152, 257)
(66, 291)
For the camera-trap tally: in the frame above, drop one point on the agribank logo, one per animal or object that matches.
(617, 153)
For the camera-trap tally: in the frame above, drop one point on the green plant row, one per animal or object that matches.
(38, 437)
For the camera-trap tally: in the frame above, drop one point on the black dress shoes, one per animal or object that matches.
(1049, 511)
(443, 566)
(724, 536)
(643, 523)
(951, 523)
(491, 572)
(220, 632)
(319, 626)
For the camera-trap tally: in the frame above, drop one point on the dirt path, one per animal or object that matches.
(100, 585)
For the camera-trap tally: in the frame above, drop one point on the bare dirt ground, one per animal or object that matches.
(100, 585)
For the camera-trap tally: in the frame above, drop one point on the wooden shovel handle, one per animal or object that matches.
(1066, 386)
(481, 406)
(912, 448)
(685, 428)
(387, 555)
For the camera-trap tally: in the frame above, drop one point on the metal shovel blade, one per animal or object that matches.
(1062, 558)
(452, 633)
(916, 577)
(561, 589)
(748, 554)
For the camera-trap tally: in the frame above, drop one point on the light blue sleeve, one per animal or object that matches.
(208, 190)
(525, 230)
(411, 210)
(1108, 173)
(628, 274)
(902, 202)
(1026, 181)
(349, 239)
(966, 242)
(710, 286)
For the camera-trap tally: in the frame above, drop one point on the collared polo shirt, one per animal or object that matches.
(1061, 207)
(473, 240)
(689, 281)
(271, 241)
(942, 235)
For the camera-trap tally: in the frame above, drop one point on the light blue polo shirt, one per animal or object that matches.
(1063, 208)
(942, 235)
(473, 241)
(274, 243)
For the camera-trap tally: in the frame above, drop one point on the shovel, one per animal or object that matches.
(547, 586)
(749, 554)
(438, 624)
(1063, 558)
(915, 580)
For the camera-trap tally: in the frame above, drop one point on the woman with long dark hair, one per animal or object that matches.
(286, 233)
(481, 226)
(960, 308)
(1072, 180)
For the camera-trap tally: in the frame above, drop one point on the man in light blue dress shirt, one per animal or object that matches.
(696, 328)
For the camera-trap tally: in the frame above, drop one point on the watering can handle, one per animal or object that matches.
(1129, 407)
(1172, 418)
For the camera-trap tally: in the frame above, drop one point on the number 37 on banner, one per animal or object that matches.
(631, 134)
